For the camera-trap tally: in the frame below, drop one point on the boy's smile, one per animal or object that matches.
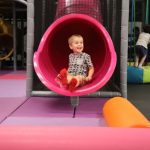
(77, 45)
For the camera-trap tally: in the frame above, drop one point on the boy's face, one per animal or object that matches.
(77, 45)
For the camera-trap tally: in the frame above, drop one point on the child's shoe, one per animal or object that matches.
(58, 80)
(63, 72)
(72, 84)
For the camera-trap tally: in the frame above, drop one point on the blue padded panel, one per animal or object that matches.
(134, 75)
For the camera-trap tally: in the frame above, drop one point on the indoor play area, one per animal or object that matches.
(109, 112)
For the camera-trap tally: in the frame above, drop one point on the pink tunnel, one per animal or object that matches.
(53, 51)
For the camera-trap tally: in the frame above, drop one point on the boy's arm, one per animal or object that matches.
(90, 74)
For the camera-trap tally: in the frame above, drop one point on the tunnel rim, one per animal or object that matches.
(80, 91)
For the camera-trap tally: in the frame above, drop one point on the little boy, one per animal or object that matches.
(141, 48)
(80, 68)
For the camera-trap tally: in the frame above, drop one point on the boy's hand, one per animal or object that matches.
(82, 80)
(88, 78)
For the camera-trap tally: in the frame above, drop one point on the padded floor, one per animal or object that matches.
(12, 88)
(15, 108)
(58, 111)
(55, 121)
(139, 95)
(9, 105)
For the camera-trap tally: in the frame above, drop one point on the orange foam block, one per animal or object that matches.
(119, 112)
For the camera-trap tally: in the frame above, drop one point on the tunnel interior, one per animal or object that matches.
(54, 50)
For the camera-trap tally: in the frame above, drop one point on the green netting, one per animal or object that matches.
(146, 74)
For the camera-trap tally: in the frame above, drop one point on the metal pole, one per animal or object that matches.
(22, 43)
(30, 46)
(14, 38)
(95, 94)
(74, 103)
(124, 47)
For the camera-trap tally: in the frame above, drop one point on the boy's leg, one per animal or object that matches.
(142, 61)
(61, 78)
(137, 55)
(143, 53)
(63, 75)
(58, 80)
(73, 84)
(75, 81)
(136, 61)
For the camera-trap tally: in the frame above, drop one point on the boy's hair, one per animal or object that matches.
(70, 39)
(146, 28)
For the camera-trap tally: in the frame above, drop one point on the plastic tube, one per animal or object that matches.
(53, 51)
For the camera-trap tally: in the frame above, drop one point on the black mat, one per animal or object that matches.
(139, 95)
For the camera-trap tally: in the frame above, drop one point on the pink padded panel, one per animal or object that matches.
(73, 138)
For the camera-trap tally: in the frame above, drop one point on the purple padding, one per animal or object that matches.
(90, 107)
(60, 107)
(63, 121)
(12, 88)
(45, 107)
(57, 107)
(58, 112)
(8, 105)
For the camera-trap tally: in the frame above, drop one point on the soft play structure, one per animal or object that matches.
(138, 75)
(53, 50)
(49, 28)
(107, 45)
